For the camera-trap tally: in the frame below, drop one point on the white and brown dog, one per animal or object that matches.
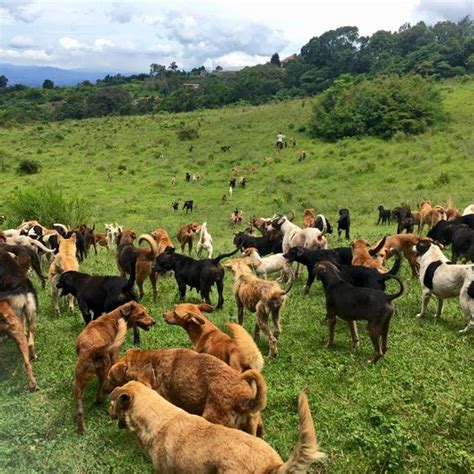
(445, 280)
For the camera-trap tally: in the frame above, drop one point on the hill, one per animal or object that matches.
(409, 413)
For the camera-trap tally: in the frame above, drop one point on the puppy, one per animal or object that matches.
(12, 326)
(444, 280)
(201, 384)
(262, 297)
(186, 235)
(188, 444)
(239, 351)
(98, 347)
(65, 260)
(205, 241)
(352, 303)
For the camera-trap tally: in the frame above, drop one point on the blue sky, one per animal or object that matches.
(129, 35)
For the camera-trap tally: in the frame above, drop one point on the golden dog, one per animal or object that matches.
(162, 239)
(309, 217)
(362, 258)
(429, 215)
(181, 443)
(240, 351)
(263, 297)
(201, 384)
(186, 235)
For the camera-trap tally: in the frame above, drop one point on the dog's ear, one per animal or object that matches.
(206, 308)
(133, 234)
(123, 401)
(146, 376)
(127, 309)
(299, 252)
(73, 237)
(196, 319)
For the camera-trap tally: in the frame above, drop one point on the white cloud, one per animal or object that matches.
(21, 42)
(39, 55)
(122, 12)
(25, 11)
(435, 10)
(72, 44)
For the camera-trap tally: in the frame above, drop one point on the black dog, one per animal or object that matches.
(405, 219)
(175, 205)
(265, 244)
(188, 205)
(353, 303)
(188, 177)
(197, 274)
(323, 224)
(443, 231)
(384, 215)
(232, 182)
(344, 223)
(463, 244)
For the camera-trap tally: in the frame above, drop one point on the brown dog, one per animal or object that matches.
(162, 239)
(186, 235)
(201, 384)
(12, 326)
(362, 258)
(65, 260)
(101, 239)
(263, 297)
(188, 444)
(240, 351)
(309, 217)
(429, 215)
(98, 347)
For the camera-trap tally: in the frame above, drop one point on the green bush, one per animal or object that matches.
(380, 107)
(47, 206)
(27, 166)
(187, 132)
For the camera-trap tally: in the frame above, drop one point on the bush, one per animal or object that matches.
(27, 166)
(381, 107)
(47, 206)
(187, 132)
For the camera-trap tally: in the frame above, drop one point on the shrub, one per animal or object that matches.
(47, 205)
(187, 132)
(382, 107)
(27, 166)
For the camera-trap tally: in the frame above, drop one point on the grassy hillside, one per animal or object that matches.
(411, 412)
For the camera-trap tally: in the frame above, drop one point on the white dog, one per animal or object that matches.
(469, 210)
(444, 280)
(271, 264)
(112, 231)
(205, 241)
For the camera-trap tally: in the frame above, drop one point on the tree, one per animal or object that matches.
(157, 70)
(48, 84)
(108, 101)
(275, 60)
(173, 66)
(198, 71)
(218, 69)
(3, 82)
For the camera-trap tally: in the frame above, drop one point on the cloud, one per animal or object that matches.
(19, 10)
(437, 10)
(234, 60)
(38, 55)
(72, 44)
(122, 12)
(21, 42)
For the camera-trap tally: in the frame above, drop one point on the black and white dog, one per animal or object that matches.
(438, 276)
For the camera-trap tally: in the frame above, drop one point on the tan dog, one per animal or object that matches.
(187, 444)
(362, 258)
(309, 217)
(186, 235)
(64, 261)
(12, 326)
(240, 351)
(201, 384)
(162, 239)
(429, 215)
(263, 297)
(101, 239)
(98, 347)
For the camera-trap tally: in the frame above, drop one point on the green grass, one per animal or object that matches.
(413, 411)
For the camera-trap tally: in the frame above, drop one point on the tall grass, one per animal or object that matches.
(47, 206)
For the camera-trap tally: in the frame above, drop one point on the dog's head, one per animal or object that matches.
(185, 314)
(294, 253)
(309, 212)
(67, 245)
(238, 266)
(277, 222)
(126, 237)
(323, 268)
(425, 245)
(136, 315)
(121, 400)
(249, 251)
(166, 261)
(66, 283)
(358, 244)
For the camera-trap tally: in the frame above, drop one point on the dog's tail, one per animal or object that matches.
(216, 260)
(290, 285)
(378, 247)
(152, 243)
(41, 246)
(249, 350)
(307, 449)
(400, 292)
(117, 342)
(255, 379)
(398, 261)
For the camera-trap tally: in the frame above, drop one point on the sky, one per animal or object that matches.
(127, 36)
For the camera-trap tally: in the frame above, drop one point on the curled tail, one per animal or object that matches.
(224, 255)
(400, 292)
(307, 449)
(249, 350)
(398, 261)
(117, 342)
(151, 242)
(257, 382)
(380, 245)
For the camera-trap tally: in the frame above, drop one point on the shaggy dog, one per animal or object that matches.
(262, 297)
(98, 347)
(12, 326)
(201, 384)
(186, 235)
(181, 443)
(239, 351)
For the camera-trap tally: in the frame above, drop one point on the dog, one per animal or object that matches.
(363, 258)
(179, 442)
(162, 239)
(262, 297)
(353, 303)
(205, 241)
(89, 238)
(128, 255)
(113, 231)
(236, 217)
(463, 244)
(428, 215)
(12, 326)
(201, 384)
(309, 218)
(344, 223)
(323, 224)
(270, 243)
(188, 206)
(98, 347)
(271, 264)
(405, 219)
(443, 231)
(196, 177)
(18, 291)
(243, 181)
(468, 210)
(175, 205)
(65, 260)
(384, 215)
(231, 190)
(186, 235)
(239, 351)
(198, 274)
(444, 280)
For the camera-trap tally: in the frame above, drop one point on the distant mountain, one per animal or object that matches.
(34, 76)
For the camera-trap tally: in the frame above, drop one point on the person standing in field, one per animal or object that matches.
(280, 141)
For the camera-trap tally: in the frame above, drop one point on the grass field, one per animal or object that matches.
(413, 411)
